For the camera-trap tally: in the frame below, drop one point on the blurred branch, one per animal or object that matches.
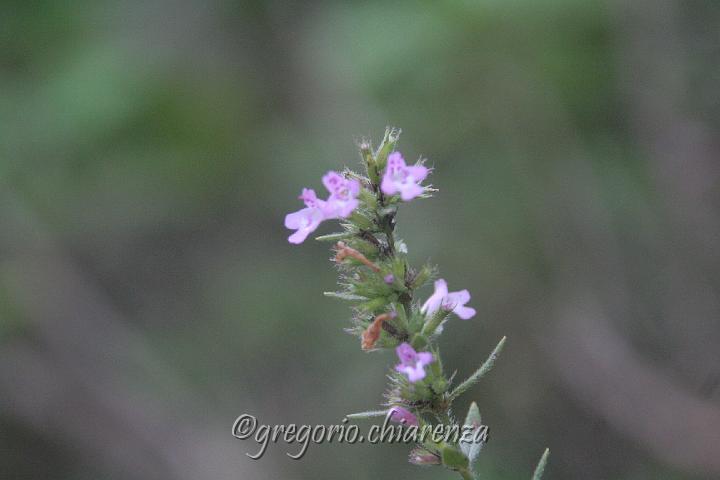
(78, 374)
(598, 366)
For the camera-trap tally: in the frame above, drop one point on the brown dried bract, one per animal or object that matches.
(343, 251)
(372, 333)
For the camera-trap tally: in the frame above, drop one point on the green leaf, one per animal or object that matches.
(480, 372)
(334, 237)
(368, 414)
(360, 221)
(473, 420)
(541, 465)
(368, 198)
(432, 324)
(454, 458)
(419, 341)
(374, 304)
(345, 296)
(473, 416)
(401, 319)
(425, 273)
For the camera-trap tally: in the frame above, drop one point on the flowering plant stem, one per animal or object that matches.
(376, 276)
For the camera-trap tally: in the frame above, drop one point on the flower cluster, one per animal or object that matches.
(376, 276)
(340, 204)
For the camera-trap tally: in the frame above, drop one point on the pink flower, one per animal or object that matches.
(340, 204)
(401, 178)
(451, 302)
(343, 195)
(412, 363)
(304, 221)
(402, 415)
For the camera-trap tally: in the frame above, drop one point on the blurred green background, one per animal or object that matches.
(148, 296)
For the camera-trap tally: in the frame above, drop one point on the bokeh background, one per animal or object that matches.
(148, 296)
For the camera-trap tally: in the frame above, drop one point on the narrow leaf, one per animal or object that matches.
(369, 414)
(334, 237)
(480, 372)
(453, 458)
(473, 416)
(471, 446)
(541, 465)
(345, 296)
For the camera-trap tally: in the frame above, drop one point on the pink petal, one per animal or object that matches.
(455, 299)
(293, 220)
(418, 172)
(416, 374)
(299, 236)
(396, 159)
(425, 358)
(441, 287)
(465, 312)
(410, 191)
(432, 304)
(388, 186)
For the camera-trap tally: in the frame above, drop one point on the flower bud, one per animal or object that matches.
(369, 159)
(421, 456)
(386, 147)
(402, 415)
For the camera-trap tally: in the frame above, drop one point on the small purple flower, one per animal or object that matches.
(412, 363)
(305, 221)
(389, 278)
(343, 195)
(402, 178)
(402, 415)
(340, 204)
(451, 302)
